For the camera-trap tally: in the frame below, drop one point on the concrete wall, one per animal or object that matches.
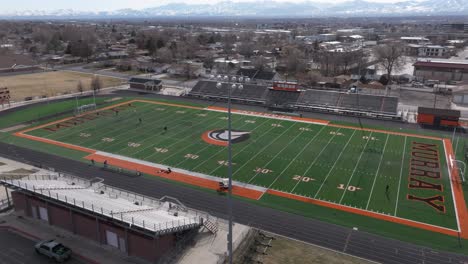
(94, 228)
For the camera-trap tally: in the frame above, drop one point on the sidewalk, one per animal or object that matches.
(84, 249)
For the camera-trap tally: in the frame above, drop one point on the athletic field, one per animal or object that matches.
(393, 176)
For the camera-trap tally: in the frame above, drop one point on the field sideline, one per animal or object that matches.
(365, 171)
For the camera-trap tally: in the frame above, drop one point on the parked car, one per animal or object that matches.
(53, 250)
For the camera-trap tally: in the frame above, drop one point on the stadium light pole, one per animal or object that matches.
(232, 83)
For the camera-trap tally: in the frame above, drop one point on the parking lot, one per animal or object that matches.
(17, 249)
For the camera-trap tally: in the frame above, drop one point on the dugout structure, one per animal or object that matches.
(438, 117)
(4, 96)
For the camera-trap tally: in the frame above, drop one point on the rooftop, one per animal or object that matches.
(160, 216)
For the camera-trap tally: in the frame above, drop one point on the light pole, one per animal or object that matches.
(235, 84)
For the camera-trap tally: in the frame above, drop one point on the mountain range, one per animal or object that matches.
(264, 8)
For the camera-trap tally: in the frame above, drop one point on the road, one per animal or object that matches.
(320, 233)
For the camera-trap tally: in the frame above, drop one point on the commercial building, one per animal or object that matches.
(441, 69)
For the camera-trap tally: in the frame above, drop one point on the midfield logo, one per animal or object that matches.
(220, 136)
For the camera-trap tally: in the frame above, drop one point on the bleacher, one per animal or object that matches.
(350, 101)
(248, 93)
(373, 106)
(278, 98)
(319, 98)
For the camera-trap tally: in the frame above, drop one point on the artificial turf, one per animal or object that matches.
(356, 168)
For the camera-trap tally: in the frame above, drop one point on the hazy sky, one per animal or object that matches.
(107, 5)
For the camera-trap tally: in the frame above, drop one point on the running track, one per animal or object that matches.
(327, 235)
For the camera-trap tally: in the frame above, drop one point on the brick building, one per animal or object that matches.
(137, 225)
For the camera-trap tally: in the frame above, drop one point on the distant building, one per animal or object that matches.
(455, 27)
(426, 50)
(441, 69)
(147, 84)
(415, 40)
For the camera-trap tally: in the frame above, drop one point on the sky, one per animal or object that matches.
(109, 5)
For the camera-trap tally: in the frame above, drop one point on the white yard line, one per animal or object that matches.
(179, 123)
(334, 164)
(123, 135)
(355, 167)
(262, 149)
(147, 125)
(246, 146)
(377, 172)
(292, 161)
(202, 149)
(315, 160)
(448, 159)
(401, 173)
(277, 154)
(67, 133)
(182, 139)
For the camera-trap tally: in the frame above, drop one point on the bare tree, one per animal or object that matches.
(80, 87)
(390, 57)
(96, 84)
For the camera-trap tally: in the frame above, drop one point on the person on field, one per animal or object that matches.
(140, 120)
(105, 164)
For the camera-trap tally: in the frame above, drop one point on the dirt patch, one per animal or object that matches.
(288, 251)
(50, 83)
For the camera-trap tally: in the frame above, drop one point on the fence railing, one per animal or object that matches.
(123, 216)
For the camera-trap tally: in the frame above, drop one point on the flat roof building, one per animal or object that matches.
(138, 225)
(441, 69)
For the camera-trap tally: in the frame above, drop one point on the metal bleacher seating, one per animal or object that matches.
(376, 106)
(248, 92)
(351, 101)
(282, 98)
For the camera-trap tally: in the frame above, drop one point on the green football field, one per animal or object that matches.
(369, 170)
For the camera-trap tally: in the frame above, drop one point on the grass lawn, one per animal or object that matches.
(50, 83)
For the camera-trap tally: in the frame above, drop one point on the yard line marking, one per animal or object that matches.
(377, 172)
(66, 131)
(262, 149)
(315, 160)
(113, 130)
(355, 167)
(240, 151)
(277, 154)
(208, 145)
(292, 161)
(336, 161)
(182, 139)
(401, 173)
(147, 125)
(217, 152)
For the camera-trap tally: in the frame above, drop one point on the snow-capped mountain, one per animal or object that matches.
(267, 8)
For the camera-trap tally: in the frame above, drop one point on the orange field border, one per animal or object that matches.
(460, 204)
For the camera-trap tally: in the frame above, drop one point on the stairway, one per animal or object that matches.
(211, 226)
